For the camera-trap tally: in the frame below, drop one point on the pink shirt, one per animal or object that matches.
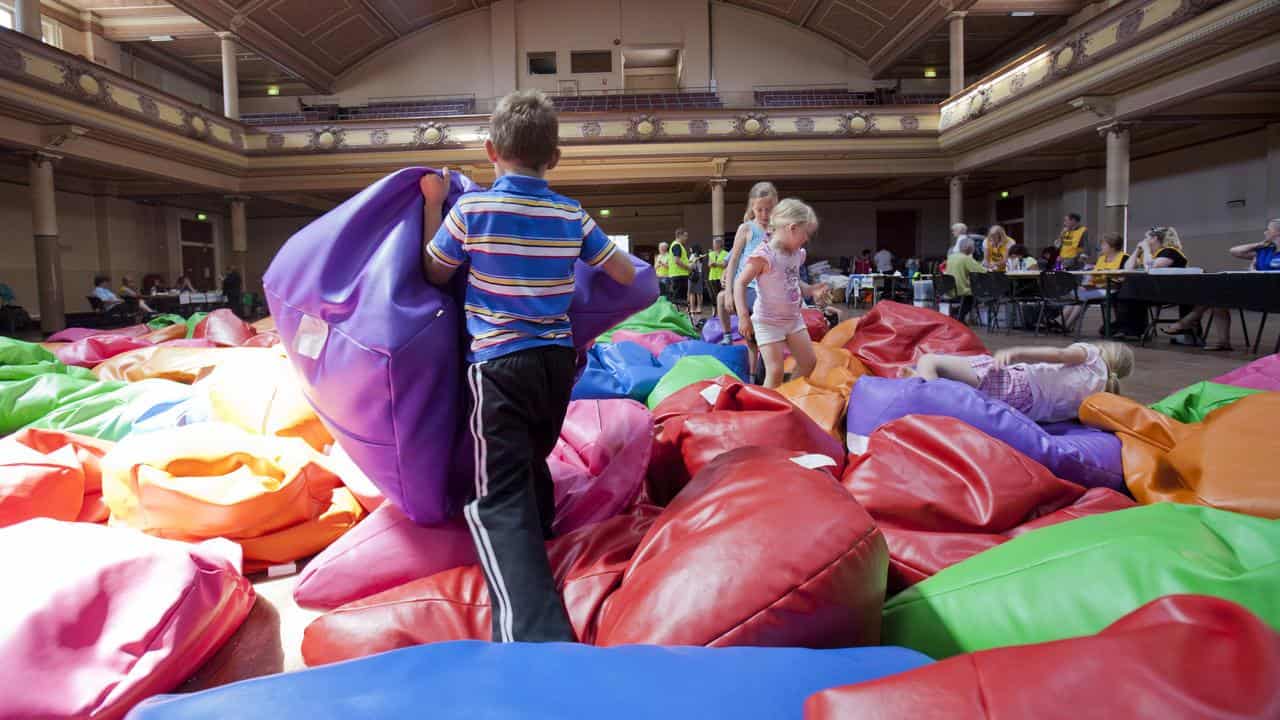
(778, 287)
(1057, 390)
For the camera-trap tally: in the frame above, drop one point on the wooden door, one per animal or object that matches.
(897, 230)
(198, 262)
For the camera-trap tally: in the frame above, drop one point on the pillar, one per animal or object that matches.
(956, 70)
(239, 237)
(44, 226)
(230, 78)
(26, 16)
(956, 183)
(717, 207)
(1116, 204)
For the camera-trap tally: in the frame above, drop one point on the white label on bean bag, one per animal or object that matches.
(813, 461)
(857, 444)
(710, 393)
(312, 332)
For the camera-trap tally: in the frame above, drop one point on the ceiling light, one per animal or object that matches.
(202, 216)
(1004, 194)
(606, 212)
(273, 90)
(930, 73)
(1023, 13)
(160, 38)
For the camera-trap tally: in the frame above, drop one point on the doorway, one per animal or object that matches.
(897, 230)
(198, 261)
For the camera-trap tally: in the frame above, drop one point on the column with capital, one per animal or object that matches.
(956, 71)
(956, 185)
(717, 207)
(230, 77)
(44, 227)
(1116, 204)
(26, 17)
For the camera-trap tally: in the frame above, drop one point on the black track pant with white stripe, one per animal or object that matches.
(518, 403)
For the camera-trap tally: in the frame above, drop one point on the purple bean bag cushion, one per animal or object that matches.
(655, 342)
(618, 370)
(379, 350)
(1071, 451)
(712, 332)
(1261, 374)
(734, 357)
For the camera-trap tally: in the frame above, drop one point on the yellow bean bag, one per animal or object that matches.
(261, 394)
(824, 395)
(275, 496)
(1228, 461)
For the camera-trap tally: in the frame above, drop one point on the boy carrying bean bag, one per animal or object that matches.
(379, 351)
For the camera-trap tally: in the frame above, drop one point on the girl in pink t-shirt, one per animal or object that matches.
(775, 267)
(1046, 384)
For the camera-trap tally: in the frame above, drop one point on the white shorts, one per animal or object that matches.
(768, 333)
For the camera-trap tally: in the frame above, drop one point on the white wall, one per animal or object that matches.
(753, 49)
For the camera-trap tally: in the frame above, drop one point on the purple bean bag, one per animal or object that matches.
(713, 333)
(380, 351)
(618, 370)
(1261, 374)
(1071, 451)
(655, 342)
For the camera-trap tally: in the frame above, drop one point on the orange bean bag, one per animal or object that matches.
(78, 451)
(258, 391)
(34, 485)
(179, 364)
(694, 426)
(943, 491)
(177, 331)
(824, 395)
(275, 496)
(893, 335)
(841, 335)
(1227, 461)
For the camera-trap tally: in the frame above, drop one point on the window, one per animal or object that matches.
(590, 61)
(542, 63)
(50, 31)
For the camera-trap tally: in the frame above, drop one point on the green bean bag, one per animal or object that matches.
(661, 315)
(24, 401)
(687, 371)
(108, 410)
(1192, 403)
(23, 372)
(17, 352)
(1074, 579)
(192, 322)
(160, 322)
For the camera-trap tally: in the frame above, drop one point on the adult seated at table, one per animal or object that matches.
(1019, 260)
(127, 290)
(862, 266)
(1263, 257)
(1048, 259)
(996, 248)
(1160, 248)
(102, 291)
(183, 284)
(960, 265)
(1072, 243)
(1094, 287)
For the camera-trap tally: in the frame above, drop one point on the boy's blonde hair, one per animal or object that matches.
(524, 129)
(1119, 360)
(761, 189)
(792, 212)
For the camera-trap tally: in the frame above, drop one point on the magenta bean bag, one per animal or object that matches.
(95, 349)
(72, 334)
(655, 342)
(607, 443)
(379, 351)
(97, 619)
(1085, 456)
(1261, 374)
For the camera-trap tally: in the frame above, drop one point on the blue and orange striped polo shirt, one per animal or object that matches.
(522, 241)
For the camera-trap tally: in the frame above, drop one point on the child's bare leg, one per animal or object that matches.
(722, 311)
(949, 367)
(802, 350)
(773, 358)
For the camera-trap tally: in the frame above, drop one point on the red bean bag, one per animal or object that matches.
(815, 322)
(893, 335)
(100, 618)
(757, 550)
(34, 485)
(601, 455)
(222, 327)
(942, 491)
(95, 349)
(1180, 656)
(75, 451)
(454, 605)
(700, 422)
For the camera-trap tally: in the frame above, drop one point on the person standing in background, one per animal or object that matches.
(884, 261)
(233, 290)
(1073, 242)
(662, 267)
(678, 267)
(697, 279)
(717, 260)
(997, 247)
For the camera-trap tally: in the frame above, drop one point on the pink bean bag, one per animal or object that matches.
(1261, 374)
(655, 342)
(72, 334)
(222, 327)
(191, 343)
(97, 619)
(603, 451)
(92, 350)
(598, 467)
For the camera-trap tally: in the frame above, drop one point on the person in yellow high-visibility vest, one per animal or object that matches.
(1073, 243)
(717, 260)
(678, 267)
(662, 268)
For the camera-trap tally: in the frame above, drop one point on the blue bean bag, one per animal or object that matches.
(618, 370)
(734, 357)
(472, 679)
(379, 351)
(1085, 456)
